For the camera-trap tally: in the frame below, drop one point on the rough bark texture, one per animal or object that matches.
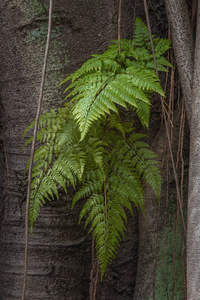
(183, 45)
(193, 231)
(147, 231)
(148, 227)
(155, 226)
(59, 252)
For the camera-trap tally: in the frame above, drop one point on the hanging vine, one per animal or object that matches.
(33, 150)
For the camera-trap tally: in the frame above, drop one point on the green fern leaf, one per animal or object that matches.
(141, 33)
(109, 162)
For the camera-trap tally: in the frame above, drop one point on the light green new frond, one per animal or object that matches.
(112, 79)
(99, 62)
(90, 65)
(144, 80)
(120, 89)
(123, 91)
(113, 96)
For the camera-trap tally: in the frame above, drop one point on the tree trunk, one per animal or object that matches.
(59, 251)
(184, 49)
(147, 232)
(155, 274)
(157, 231)
(193, 231)
(183, 45)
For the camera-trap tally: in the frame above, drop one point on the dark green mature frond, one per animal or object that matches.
(107, 223)
(115, 122)
(141, 36)
(49, 177)
(145, 163)
(134, 156)
(59, 162)
(161, 46)
(114, 189)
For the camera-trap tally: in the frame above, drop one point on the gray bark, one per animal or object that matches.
(183, 45)
(193, 231)
(59, 251)
(153, 225)
(147, 231)
(145, 266)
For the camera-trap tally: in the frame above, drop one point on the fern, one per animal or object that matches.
(88, 143)
(59, 162)
(128, 164)
(110, 80)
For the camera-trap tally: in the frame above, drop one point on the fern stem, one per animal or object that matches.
(103, 86)
(33, 149)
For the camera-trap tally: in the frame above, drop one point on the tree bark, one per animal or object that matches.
(58, 242)
(60, 251)
(183, 45)
(147, 232)
(156, 231)
(193, 231)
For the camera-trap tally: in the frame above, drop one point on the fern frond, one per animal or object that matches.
(110, 79)
(109, 162)
(121, 89)
(144, 80)
(108, 226)
(132, 159)
(141, 33)
(59, 162)
(146, 164)
(115, 122)
(161, 46)
(161, 62)
(48, 177)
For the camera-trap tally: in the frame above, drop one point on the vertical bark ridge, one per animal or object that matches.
(193, 234)
(183, 45)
